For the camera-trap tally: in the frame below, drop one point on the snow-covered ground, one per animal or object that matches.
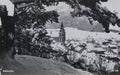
(74, 33)
(115, 28)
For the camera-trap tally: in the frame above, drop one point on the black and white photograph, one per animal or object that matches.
(59, 37)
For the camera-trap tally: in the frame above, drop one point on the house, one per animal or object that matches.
(105, 47)
(118, 48)
(113, 49)
(97, 51)
(54, 34)
(105, 43)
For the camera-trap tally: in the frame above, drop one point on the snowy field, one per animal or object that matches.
(74, 33)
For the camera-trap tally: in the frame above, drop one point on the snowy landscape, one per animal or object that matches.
(59, 37)
(94, 46)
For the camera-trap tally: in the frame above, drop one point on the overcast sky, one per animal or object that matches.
(113, 5)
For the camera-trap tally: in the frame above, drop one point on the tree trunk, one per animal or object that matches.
(7, 38)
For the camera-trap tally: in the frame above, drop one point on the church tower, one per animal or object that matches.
(62, 34)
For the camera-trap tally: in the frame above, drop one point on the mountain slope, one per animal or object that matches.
(81, 23)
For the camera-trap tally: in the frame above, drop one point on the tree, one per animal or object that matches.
(32, 14)
(7, 32)
(31, 17)
(91, 9)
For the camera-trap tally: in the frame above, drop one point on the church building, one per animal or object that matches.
(58, 35)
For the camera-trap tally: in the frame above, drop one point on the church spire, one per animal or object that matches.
(62, 37)
(62, 27)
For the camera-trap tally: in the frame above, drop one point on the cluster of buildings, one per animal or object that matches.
(102, 55)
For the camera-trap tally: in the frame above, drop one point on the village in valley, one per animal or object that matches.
(94, 52)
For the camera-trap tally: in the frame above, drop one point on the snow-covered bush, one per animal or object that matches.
(58, 47)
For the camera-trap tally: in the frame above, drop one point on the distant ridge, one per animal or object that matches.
(77, 22)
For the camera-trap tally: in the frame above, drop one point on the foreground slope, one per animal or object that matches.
(29, 65)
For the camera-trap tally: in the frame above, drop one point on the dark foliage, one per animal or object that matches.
(30, 34)
(93, 10)
(30, 15)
